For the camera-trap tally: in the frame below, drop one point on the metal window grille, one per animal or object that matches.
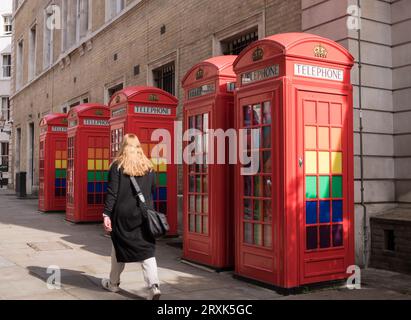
(164, 78)
(238, 44)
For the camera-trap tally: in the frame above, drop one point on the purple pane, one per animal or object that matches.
(325, 240)
(312, 241)
(311, 213)
(338, 240)
(324, 211)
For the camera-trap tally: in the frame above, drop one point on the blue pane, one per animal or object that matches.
(99, 187)
(162, 194)
(324, 211)
(312, 240)
(311, 212)
(337, 211)
(155, 197)
(325, 237)
(105, 187)
(58, 184)
(90, 187)
(63, 182)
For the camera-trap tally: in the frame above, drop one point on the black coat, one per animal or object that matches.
(129, 235)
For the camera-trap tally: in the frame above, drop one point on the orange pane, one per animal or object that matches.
(336, 114)
(311, 137)
(106, 154)
(310, 116)
(58, 154)
(324, 138)
(336, 136)
(64, 155)
(91, 153)
(323, 113)
(99, 153)
(145, 149)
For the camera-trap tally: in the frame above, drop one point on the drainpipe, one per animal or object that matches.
(365, 228)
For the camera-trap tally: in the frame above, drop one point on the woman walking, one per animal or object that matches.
(123, 217)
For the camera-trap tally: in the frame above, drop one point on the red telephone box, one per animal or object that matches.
(295, 215)
(208, 194)
(53, 163)
(88, 162)
(143, 110)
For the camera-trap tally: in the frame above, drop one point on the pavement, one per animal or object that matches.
(33, 245)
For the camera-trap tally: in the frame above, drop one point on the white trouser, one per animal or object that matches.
(149, 266)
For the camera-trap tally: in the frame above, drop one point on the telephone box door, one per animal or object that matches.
(257, 245)
(326, 214)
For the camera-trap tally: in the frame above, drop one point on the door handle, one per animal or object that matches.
(300, 162)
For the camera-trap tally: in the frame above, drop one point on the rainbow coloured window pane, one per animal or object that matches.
(98, 166)
(324, 208)
(60, 182)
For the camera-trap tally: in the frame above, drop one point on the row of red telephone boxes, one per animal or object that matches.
(290, 222)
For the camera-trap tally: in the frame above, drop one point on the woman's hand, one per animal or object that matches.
(107, 224)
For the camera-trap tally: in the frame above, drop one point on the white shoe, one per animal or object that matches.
(106, 284)
(154, 293)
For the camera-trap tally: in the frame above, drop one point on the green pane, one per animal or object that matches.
(162, 179)
(105, 176)
(99, 176)
(311, 187)
(64, 173)
(337, 187)
(324, 187)
(90, 176)
(58, 173)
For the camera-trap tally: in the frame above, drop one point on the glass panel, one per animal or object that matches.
(205, 184)
(268, 215)
(198, 204)
(258, 210)
(336, 162)
(258, 234)
(337, 186)
(324, 162)
(198, 223)
(192, 207)
(192, 222)
(266, 137)
(311, 187)
(311, 162)
(205, 225)
(248, 209)
(199, 122)
(337, 211)
(312, 238)
(311, 212)
(267, 187)
(205, 122)
(198, 183)
(324, 187)
(257, 114)
(325, 212)
(267, 162)
(248, 233)
(325, 237)
(268, 238)
(324, 138)
(247, 186)
(257, 186)
(267, 113)
(338, 235)
(205, 205)
(247, 116)
(311, 137)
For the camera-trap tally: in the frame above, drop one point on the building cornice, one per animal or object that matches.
(83, 42)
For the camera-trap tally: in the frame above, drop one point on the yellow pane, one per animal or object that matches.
(91, 165)
(64, 164)
(99, 164)
(336, 162)
(155, 164)
(106, 165)
(324, 162)
(311, 137)
(162, 167)
(311, 162)
(58, 164)
(58, 154)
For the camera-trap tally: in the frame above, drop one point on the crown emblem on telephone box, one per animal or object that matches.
(320, 51)
(258, 54)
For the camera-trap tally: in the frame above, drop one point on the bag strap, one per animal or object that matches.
(138, 189)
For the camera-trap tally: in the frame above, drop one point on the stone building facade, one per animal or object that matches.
(98, 47)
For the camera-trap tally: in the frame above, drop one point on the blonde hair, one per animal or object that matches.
(131, 157)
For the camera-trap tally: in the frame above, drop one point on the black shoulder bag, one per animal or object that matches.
(156, 221)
